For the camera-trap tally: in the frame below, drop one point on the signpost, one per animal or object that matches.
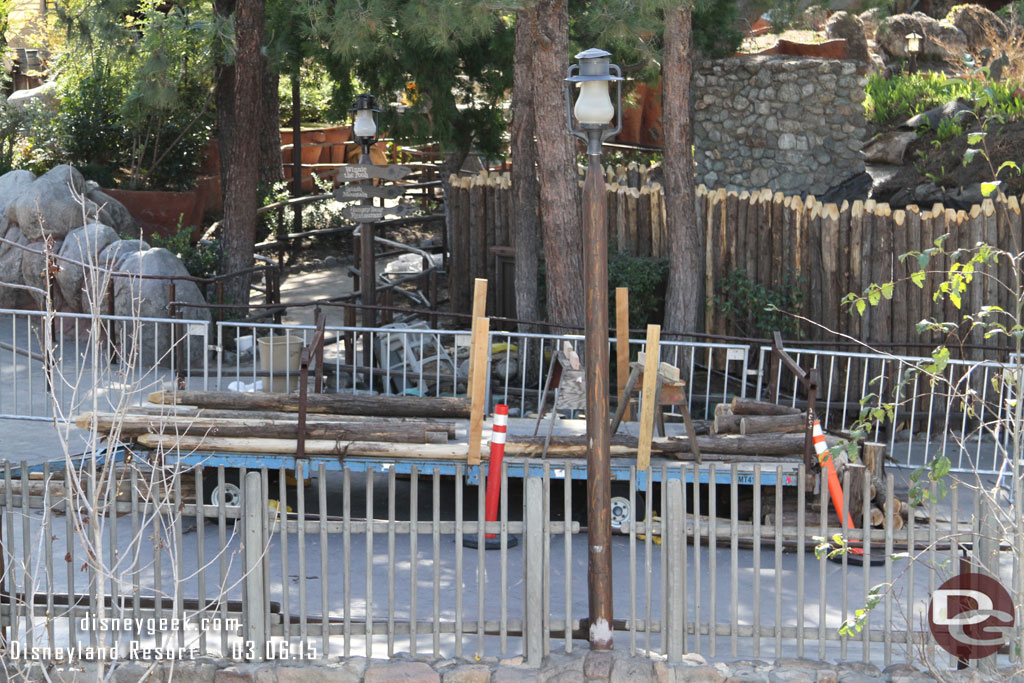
(350, 193)
(352, 172)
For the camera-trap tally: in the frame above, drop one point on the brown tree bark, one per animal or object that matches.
(556, 165)
(685, 298)
(524, 173)
(271, 170)
(240, 158)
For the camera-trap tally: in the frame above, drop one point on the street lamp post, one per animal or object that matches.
(594, 112)
(913, 48)
(364, 130)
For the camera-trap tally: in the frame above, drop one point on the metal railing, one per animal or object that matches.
(928, 418)
(368, 564)
(117, 363)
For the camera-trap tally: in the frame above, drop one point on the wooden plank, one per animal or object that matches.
(775, 230)
(187, 444)
(721, 254)
(643, 218)
(622, 343)
(620, 219)
(352, 172)
(990, 234)
(477, 230)
(659, 244)
(751, 406)
(881, 271)
(813, 241)
(899, 300)
(731, 232)
(830, 266)
(768, 424)
(611, 199)
(493, 227)
(710, 229)
(911, 294)
(478, 389)
(479, 311)
(843, 280)
(867, 267)
(632, 200)
(853, 282)
(739, 231)
(349, 193)
(649, 405)
(363, 214)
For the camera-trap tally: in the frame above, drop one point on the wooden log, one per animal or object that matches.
(775, 230)
(188, 444)
(181, 411)
(767, 424)
(854, 278)
(337, 404)
(843, 272)
(622, 345)
(816, 306)
(632, 209)
(899, 300)
(877, 517)
(910, 292)
(830, 241)
(723, 409)
(132, 425)
(758, 445)
(659, 247)
(855, 496)
(881, 320)
(643, 228)
(750, 406)
(867, 269)
(872, 454)
(726, 424)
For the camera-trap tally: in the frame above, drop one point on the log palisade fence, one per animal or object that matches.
(831, 249)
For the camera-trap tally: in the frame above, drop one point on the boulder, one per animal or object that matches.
(111, 258)
(149, 298)
(33, 265)
(113, 212)
(83, 245)
(941, 42)
(814, 17)
(10, 265)
(846, 26)
(53, 204)
(888, 148)
(46, 94)
(12, 184)
(981, 26)
(958, 110)
(870, 19)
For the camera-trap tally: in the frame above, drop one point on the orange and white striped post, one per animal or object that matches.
(835, 489)
(498, 434)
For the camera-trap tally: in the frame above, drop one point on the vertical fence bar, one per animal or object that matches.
(801, 536)
(888, 573)
(391, 562)
(532, 541)
(823, 533)
(911, 561)
(200, 555)
(503, 516)
(734, 568)
(757, 560)
(346, 547)
(632, 557)
(48, 550)
(712, 559)
(684, 561)
(282, 507)
(865, 484)
(255, 627)
(222, 543)
(649, 558)
(436, 538)
(546, 559)
(673, 543)
(325, 613)
(481, 564)
(300, 541)
(567, 516)
(845, 611)
(696, 552)
(459, 585)
(368, 620)
(414, 555)
(778, 524)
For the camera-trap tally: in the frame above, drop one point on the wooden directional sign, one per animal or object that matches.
(372, 214)
(351, 172)
(348, 193)
(363, 214)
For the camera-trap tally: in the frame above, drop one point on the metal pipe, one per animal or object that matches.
(595, 256)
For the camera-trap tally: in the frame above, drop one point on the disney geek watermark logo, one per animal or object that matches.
(971, 616)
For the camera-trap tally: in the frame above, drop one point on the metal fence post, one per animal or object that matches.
(672, 530)
(254, 567)
(533, 542)
(986, 556)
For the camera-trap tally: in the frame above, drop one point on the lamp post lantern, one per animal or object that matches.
(594, 112)
(364, 129)
(913, 49)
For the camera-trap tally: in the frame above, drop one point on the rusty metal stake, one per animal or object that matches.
(599, 536)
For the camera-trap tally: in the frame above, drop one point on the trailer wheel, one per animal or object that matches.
(230, 494)
(622, 513)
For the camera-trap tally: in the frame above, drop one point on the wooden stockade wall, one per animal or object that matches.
(832, 249)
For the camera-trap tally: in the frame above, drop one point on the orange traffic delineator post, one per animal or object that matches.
(835, 489)
(499, 431)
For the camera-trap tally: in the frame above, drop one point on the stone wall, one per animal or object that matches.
(794, 125)
(582, 666)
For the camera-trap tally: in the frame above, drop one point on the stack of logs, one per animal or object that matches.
(748, 417)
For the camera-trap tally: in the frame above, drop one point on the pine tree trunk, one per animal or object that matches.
(684, 301)
(240, 173)
(524, 174)
(271, 170)
(556, 165)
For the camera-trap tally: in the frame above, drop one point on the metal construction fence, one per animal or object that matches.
(962, 410)
(964, 416)
(123, 557)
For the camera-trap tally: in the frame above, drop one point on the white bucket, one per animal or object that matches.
(280, 353)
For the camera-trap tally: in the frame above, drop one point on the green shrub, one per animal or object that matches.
(754, 310)
(646, 279)
(200, 259)
(901, 96)
(948, 129)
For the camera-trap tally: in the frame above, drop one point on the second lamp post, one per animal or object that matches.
(594, 112)
(364, 129)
